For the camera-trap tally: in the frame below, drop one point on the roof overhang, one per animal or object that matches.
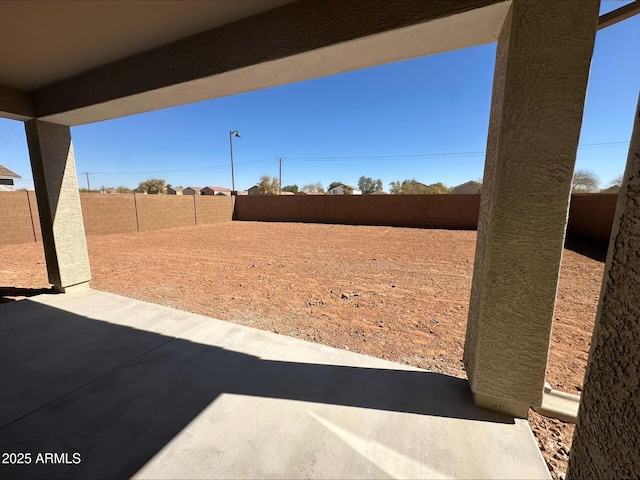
(133, 57)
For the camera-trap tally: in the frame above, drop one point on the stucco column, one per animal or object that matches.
(605, 443)
(54, 175)
(540, 80)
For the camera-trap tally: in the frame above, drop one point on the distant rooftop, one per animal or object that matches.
(6, 173)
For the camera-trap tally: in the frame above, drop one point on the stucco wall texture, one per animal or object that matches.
(606, 441)
(55, 177)
(541, 71)
(107, 214)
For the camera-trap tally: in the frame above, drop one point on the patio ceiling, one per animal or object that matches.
(80, 62)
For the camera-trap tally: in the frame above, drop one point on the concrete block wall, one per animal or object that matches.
(105, 214)
(156, 212)
(212, 209)
(591, 217)
(427, 211)
(16, 224)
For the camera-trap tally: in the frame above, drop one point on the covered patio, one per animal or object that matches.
(139, 389)
(143, 390)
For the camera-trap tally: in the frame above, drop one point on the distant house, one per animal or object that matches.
(287, 193)
(379, 192)
(6, 179)
(192, 191)
(468, 187)
(305, 192)
(215, 191)
(255, 190)
(175, 191)
(343, 189)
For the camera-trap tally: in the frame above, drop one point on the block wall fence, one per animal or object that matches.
(106, 214)
(590, 215)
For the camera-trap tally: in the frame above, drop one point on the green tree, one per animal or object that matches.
(584, 181)
(437, 188)
(408, 187)
(153, 186)
(268, 185)
(369, 185)
(313, 187)
(123, 189)
(290, 188)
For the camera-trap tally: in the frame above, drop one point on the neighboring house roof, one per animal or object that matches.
(195, 189)
(305, 192)
(470, 185)
(287, 193)
(218, 189)
(175, 189)
(379, 192)
(255, 187)
(6, 173)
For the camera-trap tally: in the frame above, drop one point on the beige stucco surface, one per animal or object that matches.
(606, 441)
(542, 65)
(55, 179)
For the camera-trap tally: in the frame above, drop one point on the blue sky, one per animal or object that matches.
(425, 118)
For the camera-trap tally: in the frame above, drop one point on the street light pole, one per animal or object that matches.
(231, 134)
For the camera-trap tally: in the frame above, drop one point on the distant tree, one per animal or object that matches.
(168, 185)
(408, 187)
(617, 181)
(313, 187)
(123, 189)
(369, 185)
(347, 190)
(584, 181)
(334, 185)
(153, 186)
(268, 185)
(290, 188)
(437, 188)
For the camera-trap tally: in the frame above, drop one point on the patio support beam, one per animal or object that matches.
(15, 104)
(298, 41)
(542, 66)
(605, 443)
(56, 184)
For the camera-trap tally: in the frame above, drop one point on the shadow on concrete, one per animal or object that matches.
(118, 395)
(12, 294)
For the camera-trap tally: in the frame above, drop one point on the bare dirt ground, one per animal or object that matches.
(395, 293)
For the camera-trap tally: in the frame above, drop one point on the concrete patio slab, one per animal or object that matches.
(135, 389)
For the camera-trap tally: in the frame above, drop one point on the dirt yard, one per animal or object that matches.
(395, 293)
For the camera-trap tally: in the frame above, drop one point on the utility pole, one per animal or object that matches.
(88, 184)
(280, 180)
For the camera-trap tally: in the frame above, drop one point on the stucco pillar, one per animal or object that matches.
(540, 80)
(606, 440)
(54, 175)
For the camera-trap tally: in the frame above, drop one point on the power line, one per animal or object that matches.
(364, 157)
